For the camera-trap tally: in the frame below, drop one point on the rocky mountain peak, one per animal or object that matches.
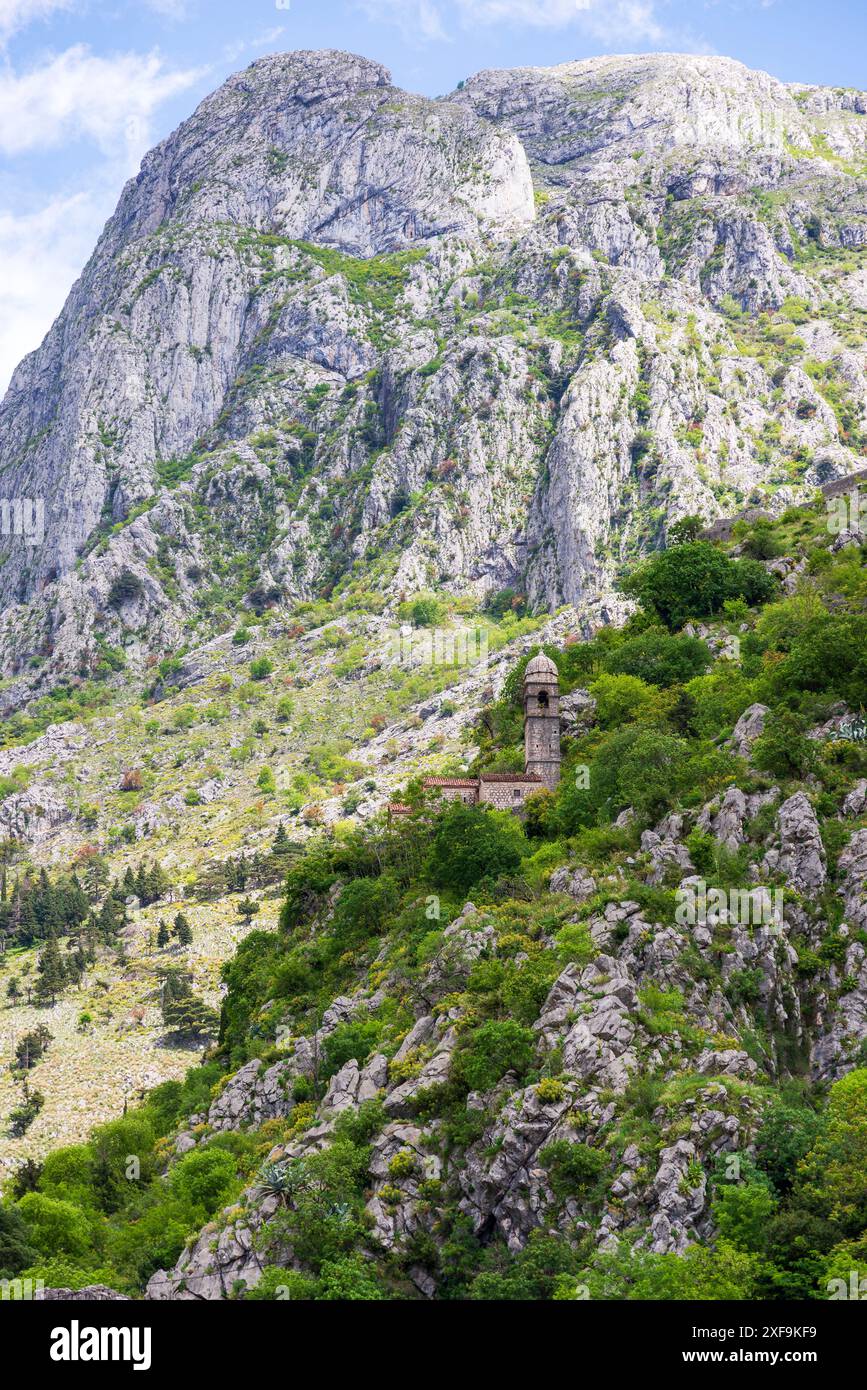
(501, 339)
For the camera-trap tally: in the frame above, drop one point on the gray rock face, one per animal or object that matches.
(577, 883)
(577, 712)
(801, 856)
(748, 728)
(238, 348)
(91, 1293)
(32, 815)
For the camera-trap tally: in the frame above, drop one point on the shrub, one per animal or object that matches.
(782, 748)
(261, 668)
(571, 1168)
(204, 1178)
(492, 1050)
(659, 658)
(470, 844)
(402, 1165)
(356, 1039)
(550, 1090)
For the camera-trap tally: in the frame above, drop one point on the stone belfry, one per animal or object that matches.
(542, 720)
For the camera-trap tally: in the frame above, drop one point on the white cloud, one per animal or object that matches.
(41, 254)
(76, 95)
(417, 19)
(16, 14)
(613, 21)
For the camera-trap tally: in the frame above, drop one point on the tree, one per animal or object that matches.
(832, 1178)
(623, 699)
(16, 1249)
(163, 935)
(362, 910)
(52, 973)
(183, 930)
(470, 844)
(693, 580)
(787, 1134)
(187, 1018)
(54, 1225)
(688, 528)
(660, 658)
(247, 908)
(32, 1047)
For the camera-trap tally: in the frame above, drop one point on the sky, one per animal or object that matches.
(88, 86)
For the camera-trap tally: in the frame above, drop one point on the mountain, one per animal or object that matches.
(500, 339)
(362, 400)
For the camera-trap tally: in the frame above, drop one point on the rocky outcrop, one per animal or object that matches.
(800, 859)
(491, 333)
(749, 727)
(33, 815)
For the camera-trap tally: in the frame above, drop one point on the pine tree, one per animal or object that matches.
(183, 930)
(163, 935)
(157, 884)
(141, 884)
(52, 973)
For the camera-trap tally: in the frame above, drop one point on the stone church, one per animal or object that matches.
(507, 791)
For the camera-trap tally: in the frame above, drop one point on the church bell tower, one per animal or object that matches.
(542, 720)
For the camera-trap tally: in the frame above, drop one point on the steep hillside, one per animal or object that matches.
(614, 1050)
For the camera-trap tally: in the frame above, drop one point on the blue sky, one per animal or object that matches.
(86, 86)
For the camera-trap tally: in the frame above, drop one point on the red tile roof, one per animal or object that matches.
(510, 777)
(450, 782)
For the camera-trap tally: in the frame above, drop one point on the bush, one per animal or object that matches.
(783, 749)
(659, 658)
(491, 1051)
(356, 1040)
(261, 668)
(204, 1178)
(571, 1168)
(694, 580)
(470, 844)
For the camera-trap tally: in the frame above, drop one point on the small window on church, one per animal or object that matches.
(543, 699)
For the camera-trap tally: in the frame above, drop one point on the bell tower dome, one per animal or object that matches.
(542, 720)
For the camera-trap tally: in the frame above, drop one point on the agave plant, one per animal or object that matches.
(275, 1180)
